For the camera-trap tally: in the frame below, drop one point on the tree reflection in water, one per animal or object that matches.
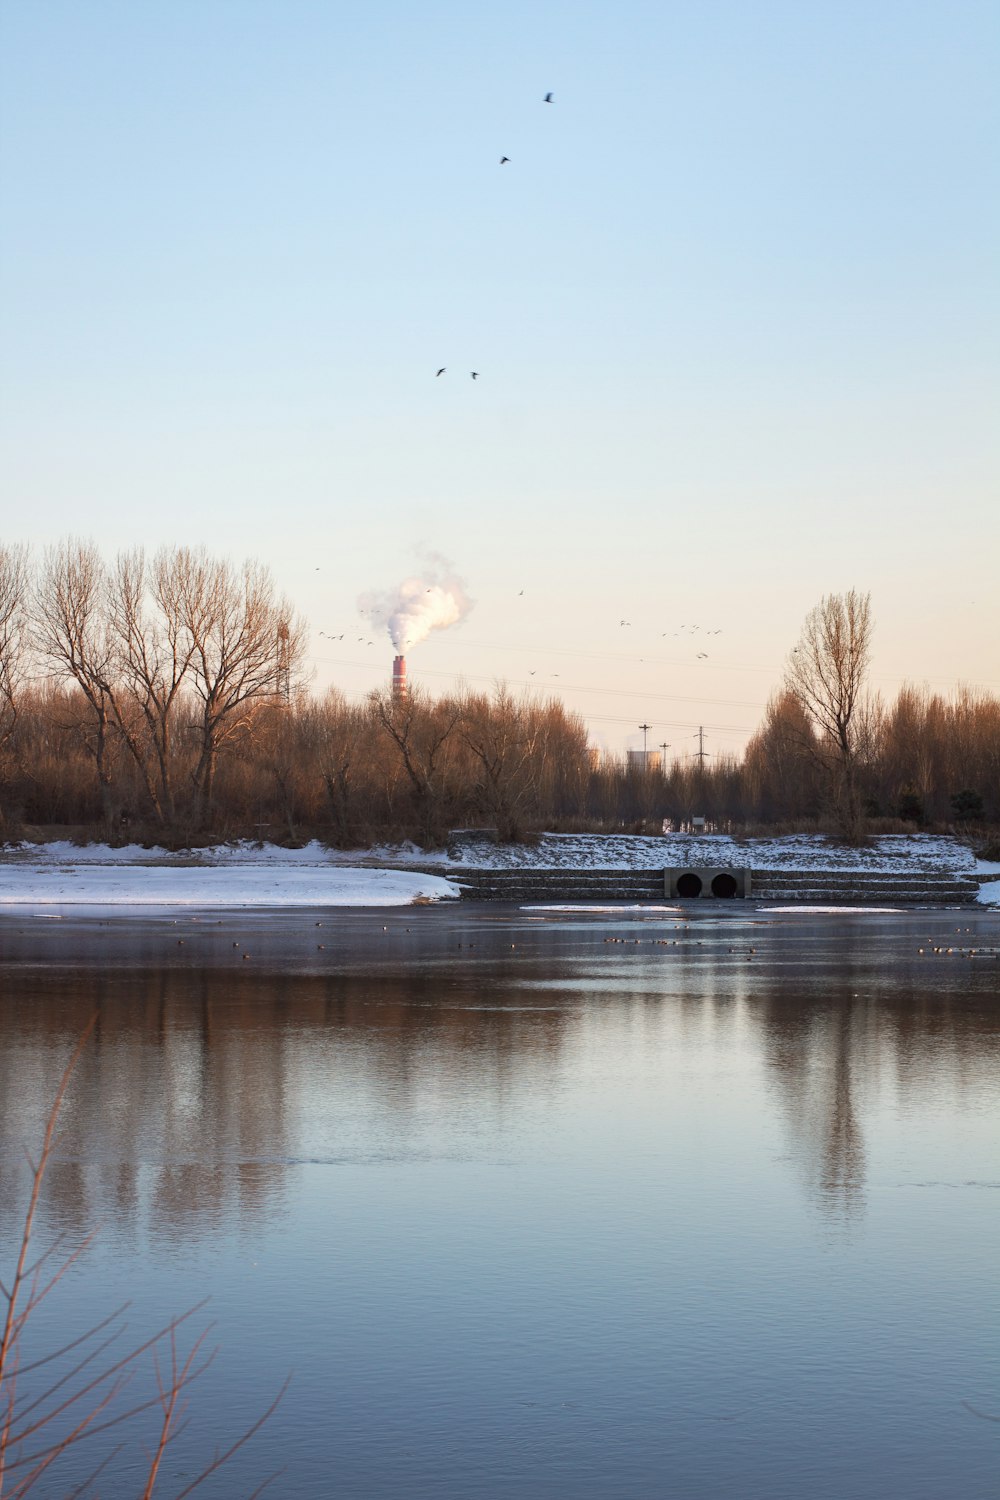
(202, 1085)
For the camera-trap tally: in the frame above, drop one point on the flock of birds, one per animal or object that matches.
(474, 375)
(684, 629)
(959, 951)
(504, 161)
(688, 630)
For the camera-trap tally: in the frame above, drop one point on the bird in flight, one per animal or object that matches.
(474, 374)
(440, 372)
(520, 592)
(547, 99)
(702, 655)
(504, 159)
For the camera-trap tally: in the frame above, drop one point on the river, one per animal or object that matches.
(531, 1203)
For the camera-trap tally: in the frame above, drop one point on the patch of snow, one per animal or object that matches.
(989, 893)
(593, 907)
(94, 883)
(240, 852)
(891, 854)
(839, 911)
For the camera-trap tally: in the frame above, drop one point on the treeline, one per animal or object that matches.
(350, 773)
(161, 699)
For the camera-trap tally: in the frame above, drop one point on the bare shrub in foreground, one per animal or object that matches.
(85, 1391)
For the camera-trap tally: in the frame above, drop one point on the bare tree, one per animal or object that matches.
(421, 731)
(506, 738)
(154, 655)
(826, 673)
(246, 650)
(338, 734)
(72, 635)
(13, 639)
(780, 762)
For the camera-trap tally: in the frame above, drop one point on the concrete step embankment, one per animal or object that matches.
(530, 884)
(865, 887)
(813, 887)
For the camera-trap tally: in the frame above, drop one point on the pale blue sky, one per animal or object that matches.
(734, 301)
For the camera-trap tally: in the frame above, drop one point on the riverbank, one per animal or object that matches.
(267, 875)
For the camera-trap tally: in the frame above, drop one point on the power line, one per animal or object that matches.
(562, 688)
(574, 687)
(463, 642)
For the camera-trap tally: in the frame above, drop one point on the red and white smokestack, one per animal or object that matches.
(398, 678)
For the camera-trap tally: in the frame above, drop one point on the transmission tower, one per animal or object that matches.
(284, 664)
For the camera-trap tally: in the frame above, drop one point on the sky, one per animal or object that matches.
(733, 302)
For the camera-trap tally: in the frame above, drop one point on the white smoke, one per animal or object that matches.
(418, 605)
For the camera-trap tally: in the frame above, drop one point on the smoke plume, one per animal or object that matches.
(418, 605)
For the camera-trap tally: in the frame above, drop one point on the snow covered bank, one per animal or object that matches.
(247, 874)
(240, 854)
(46, 879)
(989, 890)
(891, 854)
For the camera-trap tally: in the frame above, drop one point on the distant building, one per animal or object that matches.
(645, 760)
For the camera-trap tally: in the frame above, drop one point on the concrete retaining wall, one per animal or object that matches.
(814, 887)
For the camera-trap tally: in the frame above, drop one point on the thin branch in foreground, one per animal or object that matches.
(88, 1409)
(223, 1458)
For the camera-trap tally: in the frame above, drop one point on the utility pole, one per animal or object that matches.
(645, 730)
(701, 752)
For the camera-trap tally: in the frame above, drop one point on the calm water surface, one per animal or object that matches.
(709, 1210)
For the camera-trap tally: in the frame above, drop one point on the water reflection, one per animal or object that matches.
(838, 1056)
(814, 1057)
(197, 1088)
(203, 1083)
(530, 1210)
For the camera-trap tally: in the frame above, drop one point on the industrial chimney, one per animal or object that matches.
(398, 679)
